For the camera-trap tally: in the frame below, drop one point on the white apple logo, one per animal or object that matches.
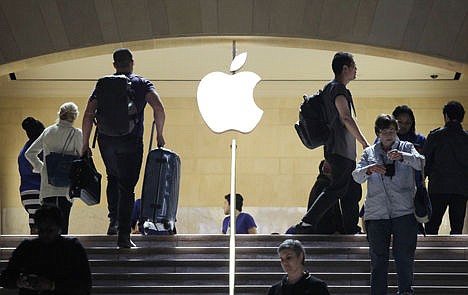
(226, 101)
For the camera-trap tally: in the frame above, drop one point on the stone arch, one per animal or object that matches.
(427, 32)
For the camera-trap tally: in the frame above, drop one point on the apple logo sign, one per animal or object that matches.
(226, 101)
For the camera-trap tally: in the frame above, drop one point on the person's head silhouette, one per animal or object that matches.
(49, 222)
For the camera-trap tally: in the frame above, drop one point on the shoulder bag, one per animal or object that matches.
(58, 164)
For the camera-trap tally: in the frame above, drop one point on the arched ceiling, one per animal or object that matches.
(432, 32)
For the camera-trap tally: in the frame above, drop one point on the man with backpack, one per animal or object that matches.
(117, 103)
(339, 150)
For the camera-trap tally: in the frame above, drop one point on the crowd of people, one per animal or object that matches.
(392, 167)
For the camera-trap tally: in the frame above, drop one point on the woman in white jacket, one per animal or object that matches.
(53, 140)
(388, 167)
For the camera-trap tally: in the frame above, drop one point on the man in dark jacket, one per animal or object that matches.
(50, 264)
(446, 153)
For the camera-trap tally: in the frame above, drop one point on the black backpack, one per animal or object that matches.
(116, 113)
(313, 127)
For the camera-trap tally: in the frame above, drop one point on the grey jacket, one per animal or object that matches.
(389, 197)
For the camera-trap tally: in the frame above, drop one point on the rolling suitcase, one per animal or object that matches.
(160, 193)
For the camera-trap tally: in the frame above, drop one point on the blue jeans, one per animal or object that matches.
(405, 232)
(123, 158)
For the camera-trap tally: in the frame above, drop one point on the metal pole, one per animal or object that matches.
(232, 238)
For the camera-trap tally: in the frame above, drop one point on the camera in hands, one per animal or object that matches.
(390, 169)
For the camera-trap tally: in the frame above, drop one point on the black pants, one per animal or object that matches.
(64, 206)
(331, 221)
(457, 212)
(122, 157)
(342, 188)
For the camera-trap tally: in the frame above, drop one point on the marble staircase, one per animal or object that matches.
(199, 264)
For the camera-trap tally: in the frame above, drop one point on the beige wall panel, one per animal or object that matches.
(274, 171)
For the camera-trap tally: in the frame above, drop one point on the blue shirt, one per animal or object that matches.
(244, 221)
(30, 181)
(136, 215)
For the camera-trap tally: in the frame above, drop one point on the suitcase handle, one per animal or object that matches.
(151, 141)
(152, 134)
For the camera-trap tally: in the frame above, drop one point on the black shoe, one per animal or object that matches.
(304, 229)
(125, 243)
(112, 230)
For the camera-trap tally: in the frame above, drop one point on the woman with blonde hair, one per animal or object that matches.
(63, 138)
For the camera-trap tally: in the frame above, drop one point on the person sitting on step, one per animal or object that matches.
(245, 223)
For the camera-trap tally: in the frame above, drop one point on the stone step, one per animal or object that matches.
(314, 252)
(253, 290)
(241, 240)
(198, 264)
(260, 265)
(264, 278)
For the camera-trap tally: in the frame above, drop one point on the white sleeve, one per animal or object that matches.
(33, 152)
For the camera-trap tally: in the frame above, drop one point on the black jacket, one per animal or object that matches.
(446, 153)
(64, 261)
(308, 285)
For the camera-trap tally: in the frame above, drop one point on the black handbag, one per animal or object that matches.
(85, 181)
(422, 202)
(58, 165)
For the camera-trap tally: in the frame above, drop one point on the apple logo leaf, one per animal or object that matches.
(238, 62)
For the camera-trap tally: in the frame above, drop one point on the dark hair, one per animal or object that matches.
(122, 57)
(404, 109)
(32, 127)
(384, 121)
(49, 213)
(293, 245)
(239, 201)
(341, 59)
(454, 111)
